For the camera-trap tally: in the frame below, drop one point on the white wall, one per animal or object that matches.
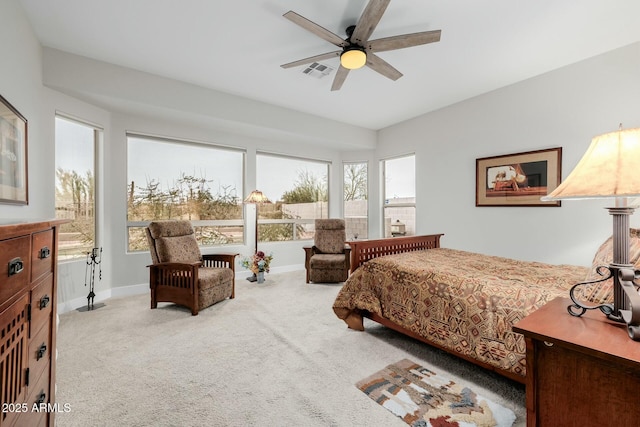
(21, 85)
(564, 108)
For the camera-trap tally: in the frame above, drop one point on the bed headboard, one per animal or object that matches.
(364, 250)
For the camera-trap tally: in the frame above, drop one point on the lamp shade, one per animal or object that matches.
(609, 168)
(256, 196)
(353, 59)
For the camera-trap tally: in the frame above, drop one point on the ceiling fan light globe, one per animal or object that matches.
(353, 59)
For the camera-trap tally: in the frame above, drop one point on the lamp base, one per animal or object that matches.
(626, 306)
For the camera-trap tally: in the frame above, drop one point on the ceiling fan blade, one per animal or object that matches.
(311, 59)
(383, 67)
(404, 40)
(340, 77)
(315, 28)
(368, 21)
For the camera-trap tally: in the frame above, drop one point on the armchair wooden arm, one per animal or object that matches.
(226, 260)
(178, 281)
(308, 252)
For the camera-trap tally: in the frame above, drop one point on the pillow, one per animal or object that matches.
(178, 249)
(603, 292)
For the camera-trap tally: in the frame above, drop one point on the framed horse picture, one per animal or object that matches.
(519, 179)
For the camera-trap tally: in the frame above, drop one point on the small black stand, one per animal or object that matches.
(94, 258)
(252, 278)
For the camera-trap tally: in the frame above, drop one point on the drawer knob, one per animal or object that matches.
(41, 351)
(45, 252)
(15, 266)
(41, 398)
(44, 301)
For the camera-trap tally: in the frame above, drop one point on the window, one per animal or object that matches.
(355, 200)
(170, 179)
(299, 192)
(399, 196)
(75, 199)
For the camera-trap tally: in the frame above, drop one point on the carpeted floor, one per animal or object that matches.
(274, 356)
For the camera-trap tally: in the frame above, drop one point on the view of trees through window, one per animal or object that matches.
(355, 193)
(399, 196)
(75, 197)
(180, 180)
(299, 193)
(203, 183)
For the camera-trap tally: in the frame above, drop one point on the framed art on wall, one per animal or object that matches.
(519, 179)
(13, 155)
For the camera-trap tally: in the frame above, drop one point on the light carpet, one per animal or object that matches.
(276, 355)
(423, 398)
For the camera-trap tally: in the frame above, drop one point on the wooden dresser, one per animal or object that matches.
(28, 252)
(581, 371)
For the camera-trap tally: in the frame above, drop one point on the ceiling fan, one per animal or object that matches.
(357, 50)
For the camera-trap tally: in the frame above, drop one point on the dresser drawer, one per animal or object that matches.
(39, 352)
(15, 265)
(41, 254)
(41, 305)
(38, 395)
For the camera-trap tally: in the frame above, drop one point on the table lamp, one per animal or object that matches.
(610, 169)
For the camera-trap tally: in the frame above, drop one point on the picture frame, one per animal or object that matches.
(14, 188)
(518, 179)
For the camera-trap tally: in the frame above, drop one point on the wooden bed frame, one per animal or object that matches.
(364, 250)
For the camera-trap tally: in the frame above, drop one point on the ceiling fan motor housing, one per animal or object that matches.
(349, 31)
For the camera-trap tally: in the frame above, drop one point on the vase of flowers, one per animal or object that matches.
(259, 264)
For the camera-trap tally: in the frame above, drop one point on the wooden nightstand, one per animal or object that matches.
(581, 371)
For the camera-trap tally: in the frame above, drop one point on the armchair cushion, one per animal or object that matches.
(330, 261)
(216, 284)
(178, 249)
(330, 236)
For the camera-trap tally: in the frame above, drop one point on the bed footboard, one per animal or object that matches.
(364, 250)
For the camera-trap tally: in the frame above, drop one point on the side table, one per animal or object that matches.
(581, 371)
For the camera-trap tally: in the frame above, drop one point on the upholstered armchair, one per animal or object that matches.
(329, 259)
(181, 274)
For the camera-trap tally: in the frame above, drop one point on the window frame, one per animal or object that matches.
(98, 138)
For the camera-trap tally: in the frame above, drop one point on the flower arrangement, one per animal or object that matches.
(258, 262)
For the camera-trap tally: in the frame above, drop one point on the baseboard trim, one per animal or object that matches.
(119, 291)
(123, 291)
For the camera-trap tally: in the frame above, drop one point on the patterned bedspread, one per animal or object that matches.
(465, 302)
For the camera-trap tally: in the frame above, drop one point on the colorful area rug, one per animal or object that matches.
(422, 398)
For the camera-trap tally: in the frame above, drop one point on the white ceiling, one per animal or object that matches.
(237, 46)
